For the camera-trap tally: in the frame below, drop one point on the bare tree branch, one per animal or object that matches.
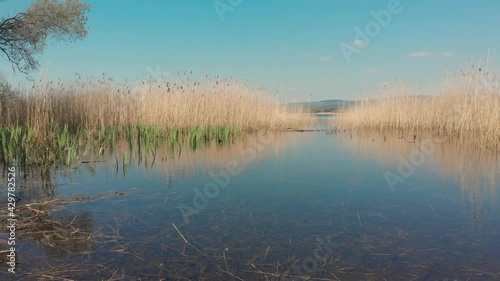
(25, 35)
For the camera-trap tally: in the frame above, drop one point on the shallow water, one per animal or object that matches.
(275, 207)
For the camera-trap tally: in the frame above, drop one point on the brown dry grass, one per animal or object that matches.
(181, 103)
(466, 105)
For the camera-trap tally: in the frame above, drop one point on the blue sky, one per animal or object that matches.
(292, 46)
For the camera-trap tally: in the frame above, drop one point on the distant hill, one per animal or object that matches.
(324, 105)
(334, 105)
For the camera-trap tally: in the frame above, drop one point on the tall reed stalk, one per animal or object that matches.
(57, 123)
(466, 106)
(93, 104)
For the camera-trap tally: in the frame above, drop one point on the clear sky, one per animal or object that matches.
(289, 45)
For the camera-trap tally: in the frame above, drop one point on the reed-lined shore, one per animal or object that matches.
(184, 103)
(60, 122)
(467, 105)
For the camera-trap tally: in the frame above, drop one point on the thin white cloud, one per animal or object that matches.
(306, 54)
(448, 54)
(418, 54)
(325, 58)
(371, 70)
(358, 42)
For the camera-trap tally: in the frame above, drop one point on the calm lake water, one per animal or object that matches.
(289, 206)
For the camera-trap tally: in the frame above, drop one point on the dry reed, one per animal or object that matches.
(182, 103)
(467, 105)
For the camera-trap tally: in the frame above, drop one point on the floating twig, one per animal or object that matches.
(359, 218)
(185, 240)
(432, 209)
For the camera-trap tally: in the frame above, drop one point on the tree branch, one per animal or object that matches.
(24, 35)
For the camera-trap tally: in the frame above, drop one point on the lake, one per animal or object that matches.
(312, 205)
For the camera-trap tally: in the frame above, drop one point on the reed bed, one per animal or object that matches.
(467, 104)
(184, 103)
(60, 122)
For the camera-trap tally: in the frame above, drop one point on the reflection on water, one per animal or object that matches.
(463, 160)
(179, 161)
(291, 206)
(475, 169)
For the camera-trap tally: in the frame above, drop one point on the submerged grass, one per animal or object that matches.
(467, 105)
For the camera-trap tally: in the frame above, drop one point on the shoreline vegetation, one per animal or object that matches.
(58, 123)
(467, 106)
